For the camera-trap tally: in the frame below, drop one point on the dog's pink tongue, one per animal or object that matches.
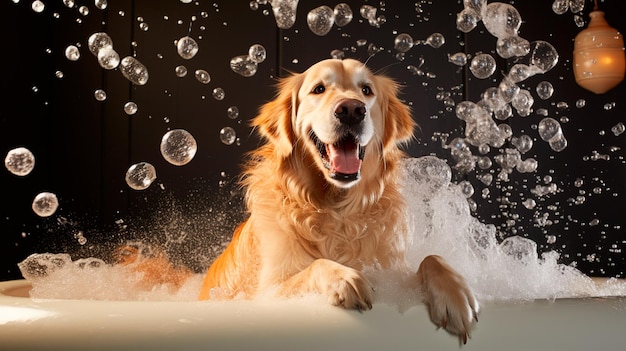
(344, 158)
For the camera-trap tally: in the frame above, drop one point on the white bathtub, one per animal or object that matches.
(564, 324)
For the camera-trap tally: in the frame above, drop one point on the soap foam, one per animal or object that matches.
(440, 222)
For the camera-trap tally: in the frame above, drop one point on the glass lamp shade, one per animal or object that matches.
(599, 60)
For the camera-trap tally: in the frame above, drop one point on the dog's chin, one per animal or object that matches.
(341, 160)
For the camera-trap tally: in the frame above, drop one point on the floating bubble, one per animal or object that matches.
(507, 90)
(501, 20)
(343, 14)
(98, 41)
(100, 95)
(69, 3)
(482, 66)
(257, 53)
(403, 42)
(140, 175)
(558, 143)
(320, 20)
(181, 71)
(72, 53)
(467, 189)
(580, 103)
(186, 47)
(130, 108)
(284, 12)
(38, 6)
(134, 70)
(520, 72)
(549, 128)
(523, 143)
(523, 102)
(618, 129)
(83, 10)
(544, 56)
(576, 5)
(512, 46)
(202, 76)
(45, 204)
(228, 135)
(436, 40)
(233, 112)
(101, 4)
(243, 65)
(144, 26)
(459, 58)
(178, 147)
(108, 58)
(219, 94)
(544, 90)
(368, 12)
(19, 161)
(560, 6)
(466, 20)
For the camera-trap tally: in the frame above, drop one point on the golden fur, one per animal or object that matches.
(309, 229)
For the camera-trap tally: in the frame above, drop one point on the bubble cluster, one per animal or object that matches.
(178, 147)
(45, 204)
(140, 175)
(19, 161)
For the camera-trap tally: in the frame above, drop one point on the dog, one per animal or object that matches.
(323, 199)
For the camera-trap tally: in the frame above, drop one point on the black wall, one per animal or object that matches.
(83, 147)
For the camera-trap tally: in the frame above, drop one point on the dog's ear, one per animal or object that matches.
(274, 121)
(397, 116)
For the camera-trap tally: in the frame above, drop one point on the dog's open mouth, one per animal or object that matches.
(343, 158)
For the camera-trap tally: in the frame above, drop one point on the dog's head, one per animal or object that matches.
(338, 111)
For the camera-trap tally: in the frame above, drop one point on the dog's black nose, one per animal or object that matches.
(350, 112)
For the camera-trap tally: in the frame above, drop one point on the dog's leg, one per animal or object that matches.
(450, 301)
(343, 286)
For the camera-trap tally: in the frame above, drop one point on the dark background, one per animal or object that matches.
(84, 147)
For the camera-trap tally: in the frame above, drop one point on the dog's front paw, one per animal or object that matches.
(451, 303)
(350, 289)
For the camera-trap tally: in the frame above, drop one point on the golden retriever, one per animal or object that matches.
(323, 199)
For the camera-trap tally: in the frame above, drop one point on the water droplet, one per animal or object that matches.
(72, 53)
(178, 147)
(108, 58)
(101, 4)
(284, 12)
(45, 204)
(203, 76)
(83, 10)
(544, 90)
(549, 128)
(501, 20)
(187, 47)
(38, 6)
(257, 53)
(343, 14)
(130, 108)
(228, 135)
(459, 58)
(580, 103)
(181, 71)
(436, 40)
(100, 95)
(19, 161)
(219, 94)
(134, 70)
(618, 129)
(467, 19)
(98, 41)
(483, 66)
(544, 56)
(233, 112)
(140, 175)
(144, 26)
(320, 20)
(59, 74)
(243, 65)
(69, 3)
(403, 42)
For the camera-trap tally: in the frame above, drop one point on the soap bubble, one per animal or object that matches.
(98, 41)
(467, 189)
(45, 204)
(338, 54)
(257, 53)
(501, 20)
(549, 128)
(140, 175)
(436, 40)
(186, 47)
(523, 102)
(100, 95)
(483, 66)
(284, 12)
(178, 147)
(101, 4)
(108, 58)
(466, 20)
(243, 65)
(72, 53)
(512, 46)
(558, 143)
(130, 108)
(368, 12)
(228, 135)
(431, 171)
(576, 5)
(233, 112)
(403, 42)
(19, 161)
(459, 58)
(320, 20)
(507, 90)
(618, 129)
(134, 70)
(38, 6)
(181, 71)
(544, 56)
(522, 249)
(544, 90)
(219, 94)
(523, 143)
(520, 72)
(560, 6)
(343, 14)
(203, 76)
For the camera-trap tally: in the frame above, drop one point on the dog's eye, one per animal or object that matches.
(319, 89)
(367, 90)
